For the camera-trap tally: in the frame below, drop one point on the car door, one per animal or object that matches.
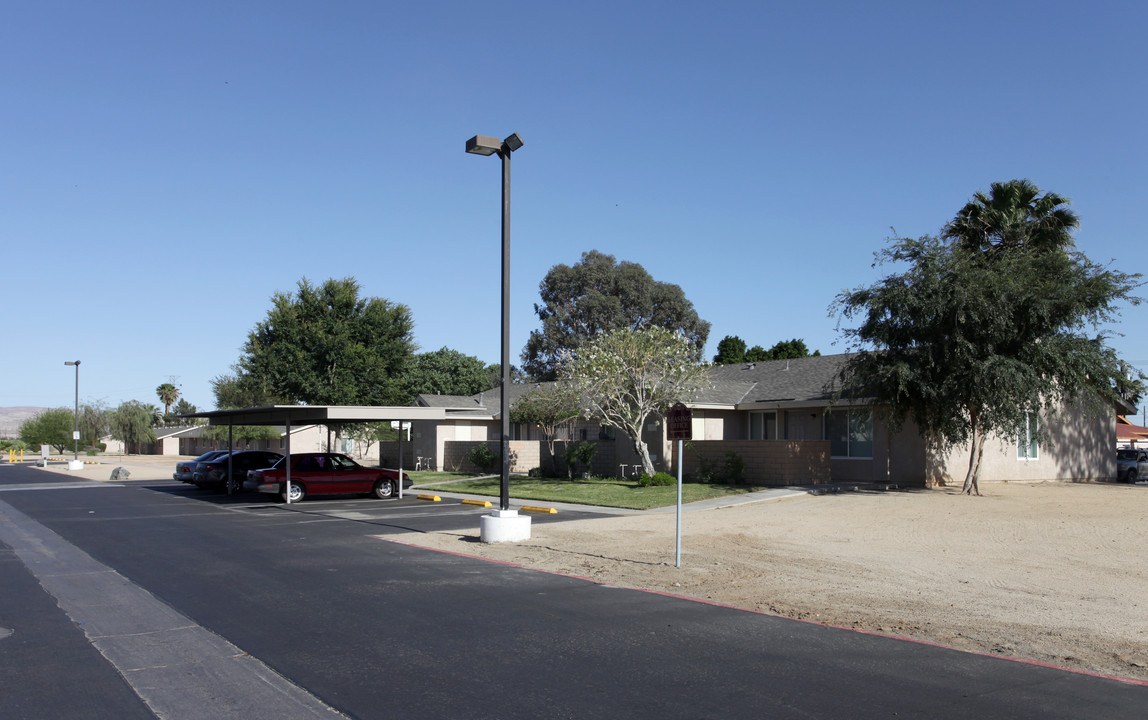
(353, 478)
(310, 470)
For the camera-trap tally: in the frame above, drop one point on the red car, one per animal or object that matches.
(324, 474)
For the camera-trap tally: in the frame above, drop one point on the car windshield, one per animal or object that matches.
(1127, 454)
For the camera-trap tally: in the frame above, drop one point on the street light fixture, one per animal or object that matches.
(76, 415)
(486, 145)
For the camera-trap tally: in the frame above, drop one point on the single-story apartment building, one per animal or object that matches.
(780, 421)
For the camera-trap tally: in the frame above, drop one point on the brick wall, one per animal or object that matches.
(767, 462)
(524, 455)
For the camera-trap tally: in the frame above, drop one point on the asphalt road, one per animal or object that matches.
(142, 597)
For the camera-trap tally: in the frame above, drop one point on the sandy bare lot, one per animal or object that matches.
(1055, 573)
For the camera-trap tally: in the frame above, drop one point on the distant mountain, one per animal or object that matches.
(11, 418)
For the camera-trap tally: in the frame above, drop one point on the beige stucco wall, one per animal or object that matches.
(1080, 445)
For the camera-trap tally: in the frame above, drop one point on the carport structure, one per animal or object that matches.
(288, 415)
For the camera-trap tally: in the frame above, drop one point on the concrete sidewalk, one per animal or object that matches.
(757, 496)
(100, 467)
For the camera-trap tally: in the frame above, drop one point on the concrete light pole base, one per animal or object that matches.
(504, 526)
(75, 464)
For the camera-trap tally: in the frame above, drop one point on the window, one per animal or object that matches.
(1027, 448)
(850, 433)
(763, 425)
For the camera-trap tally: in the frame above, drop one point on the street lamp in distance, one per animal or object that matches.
(76, 417)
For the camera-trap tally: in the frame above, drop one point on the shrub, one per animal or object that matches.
(706, 472)
(734, 468)
(484, 458)
(535, 472)
(91, 452)
(583, 453)
(659, 478)
(729, 470)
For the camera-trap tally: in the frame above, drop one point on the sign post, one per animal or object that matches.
(679, 426)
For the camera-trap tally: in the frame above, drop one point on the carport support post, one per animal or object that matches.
(231, 447)
(288, 461)
(400, 458)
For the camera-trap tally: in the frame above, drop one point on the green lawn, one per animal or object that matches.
(609, 492)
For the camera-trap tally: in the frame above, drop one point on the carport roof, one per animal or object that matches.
(319, 414)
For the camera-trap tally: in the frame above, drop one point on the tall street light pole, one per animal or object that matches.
(504, 525)
(483, 145)
(76, 415)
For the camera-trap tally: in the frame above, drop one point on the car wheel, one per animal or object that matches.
(384, 489)
(1130, 476)
(232, 485)
(298, 492)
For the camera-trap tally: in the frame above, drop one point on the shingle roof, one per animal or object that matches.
(798, 380)
(487, 402)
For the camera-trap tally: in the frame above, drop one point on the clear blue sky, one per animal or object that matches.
(166, 167)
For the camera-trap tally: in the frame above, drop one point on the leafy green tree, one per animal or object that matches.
(167, 394)
(94, 423)
(625, 377)
(987, 326)
(241, 434)
(790, 349)
(445, 372)
(597, 295)
(131, 423)
(367, 434)
(730, 351)
(494, 376)
(325, 345)
(183, 407)
(550, 406)
(757, 354)
(240, 390)
(49, 427)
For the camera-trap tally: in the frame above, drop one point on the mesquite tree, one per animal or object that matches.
(996, 320)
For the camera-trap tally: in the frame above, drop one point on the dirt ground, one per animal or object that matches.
(1049, 572)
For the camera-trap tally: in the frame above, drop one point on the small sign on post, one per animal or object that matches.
(679, 426)
(680, 423)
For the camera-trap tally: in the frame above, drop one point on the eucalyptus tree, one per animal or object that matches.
(599, 294)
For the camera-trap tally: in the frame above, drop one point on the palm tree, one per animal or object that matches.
(1014, 215)
(168, 394)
